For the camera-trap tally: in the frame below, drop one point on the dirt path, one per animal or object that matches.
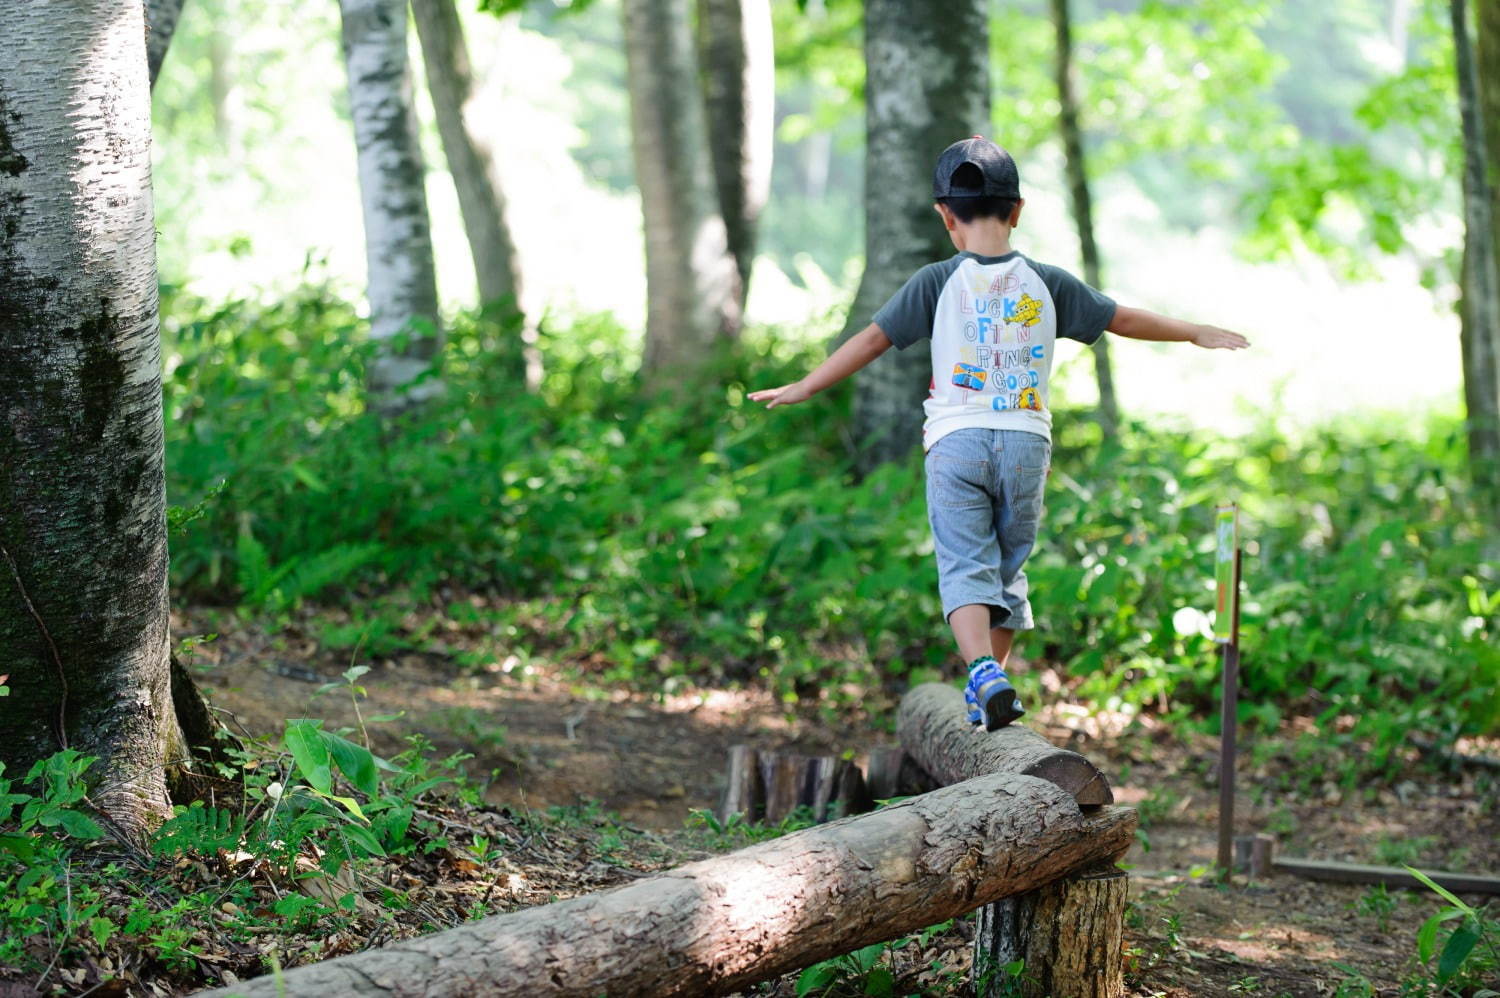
(548, 741)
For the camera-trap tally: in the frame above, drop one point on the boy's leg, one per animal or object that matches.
(1001, 639)
(971, 629)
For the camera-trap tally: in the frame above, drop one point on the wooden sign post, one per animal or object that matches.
(1227, 634)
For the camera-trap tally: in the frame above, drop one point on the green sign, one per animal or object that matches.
(1227, 533)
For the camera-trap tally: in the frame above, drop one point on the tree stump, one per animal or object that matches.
(1068, 935)
(769, 786)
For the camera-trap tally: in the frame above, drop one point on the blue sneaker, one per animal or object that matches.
(990, 696)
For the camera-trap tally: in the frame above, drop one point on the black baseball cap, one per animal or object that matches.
(995, 166)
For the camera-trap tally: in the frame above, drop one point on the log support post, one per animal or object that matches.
(1064, 940)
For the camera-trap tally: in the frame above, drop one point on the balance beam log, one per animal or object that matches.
(719, 925)
(932, 729)
(1069, 931)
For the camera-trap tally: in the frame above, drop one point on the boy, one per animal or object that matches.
(993, 317)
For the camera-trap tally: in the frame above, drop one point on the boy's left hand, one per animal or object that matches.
(785, 395)
(1212, 337)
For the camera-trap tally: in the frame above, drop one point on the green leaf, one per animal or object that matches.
(349, 802)
(23, 847)
(354, 761)
(1427, 934)
(1456, 951)
(102, 929)
(79, 826)
(1441, 892)
(816, 978)
(305, 741)
(365, 839)
(880, 983)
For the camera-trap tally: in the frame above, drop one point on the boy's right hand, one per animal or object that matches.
(785, 395)
(1214, 338)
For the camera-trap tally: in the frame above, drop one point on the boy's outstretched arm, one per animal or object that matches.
(1140, 324)
(857, 351)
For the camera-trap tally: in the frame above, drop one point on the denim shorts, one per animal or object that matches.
(984, 500)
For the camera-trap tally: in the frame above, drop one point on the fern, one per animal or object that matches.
(280, 587)
(199, 830)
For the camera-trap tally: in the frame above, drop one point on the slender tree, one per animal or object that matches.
(1480, 327)
(691, 278)
(83, 544)
(1083, 203)
(161, 25)
(398, 237)
(481, 200)
(926, 86)
(738, 61)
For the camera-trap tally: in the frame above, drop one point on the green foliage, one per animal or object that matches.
(1470, 953)
(700, 539)
(58, 902)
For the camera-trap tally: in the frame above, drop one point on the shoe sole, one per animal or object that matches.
(1000, 709)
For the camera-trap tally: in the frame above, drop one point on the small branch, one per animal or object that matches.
(62, 706)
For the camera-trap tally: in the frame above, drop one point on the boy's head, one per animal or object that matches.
(976, 179)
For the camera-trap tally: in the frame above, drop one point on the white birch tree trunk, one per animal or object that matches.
(161, 24)
(737, 58)
(1480, 330)
(398, 237)
(691, 277)
(926, 86)
(83, 570)
(480, 198)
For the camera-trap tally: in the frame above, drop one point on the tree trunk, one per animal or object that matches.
(926, 86)
(83, 543)
(161, 24)
(398, 238)
(480, 198)
(1083, 203)
(1479, 101)
(738, 62)
(691, 278)
(720, 925)
(1068, 935)
(932, 729)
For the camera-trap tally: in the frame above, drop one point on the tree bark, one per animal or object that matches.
(480, 198)
(1083, 202)
(398, 237)
(691, 278)
(161, 25)
(717, 926)
(926, 86)
(1479, 103)
(932, 729)
(83, 543)
(1069, 936)
(738, 62)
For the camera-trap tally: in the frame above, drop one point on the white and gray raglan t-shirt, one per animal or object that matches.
(994, 323)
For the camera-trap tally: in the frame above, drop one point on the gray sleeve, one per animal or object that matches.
(907, 317)
(1082, 313)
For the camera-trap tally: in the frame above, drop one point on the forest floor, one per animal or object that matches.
(620, 775)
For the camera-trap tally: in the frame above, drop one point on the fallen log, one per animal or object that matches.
(890, 772)
(932, 729)
(722, 924)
